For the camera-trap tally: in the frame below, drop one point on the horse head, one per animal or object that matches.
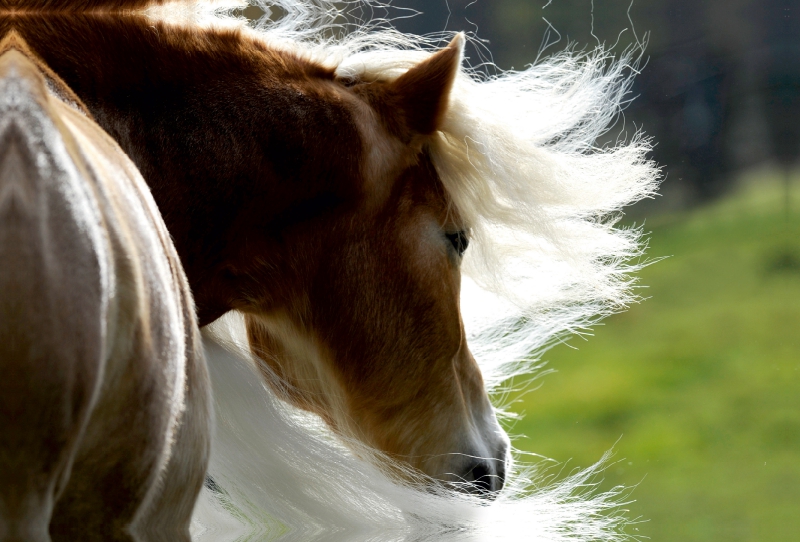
(368, 332)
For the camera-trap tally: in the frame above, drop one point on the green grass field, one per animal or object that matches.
(699, 385)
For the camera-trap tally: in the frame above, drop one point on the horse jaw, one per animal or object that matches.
(461, 445)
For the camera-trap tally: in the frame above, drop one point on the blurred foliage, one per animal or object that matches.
(699, 385)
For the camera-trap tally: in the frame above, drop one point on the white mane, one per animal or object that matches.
(517, 153)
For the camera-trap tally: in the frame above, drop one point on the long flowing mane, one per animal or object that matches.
(519, 155)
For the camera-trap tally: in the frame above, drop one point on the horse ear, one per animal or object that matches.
(423, 92)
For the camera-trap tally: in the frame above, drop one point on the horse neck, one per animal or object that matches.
(177, 103)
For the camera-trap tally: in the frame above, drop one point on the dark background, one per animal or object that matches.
(718, 91)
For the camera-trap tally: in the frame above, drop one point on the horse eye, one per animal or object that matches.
(459, 241)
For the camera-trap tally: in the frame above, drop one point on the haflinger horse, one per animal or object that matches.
(343, 258)
(367, 214)
(104, 390)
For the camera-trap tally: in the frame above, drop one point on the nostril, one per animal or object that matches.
(483, 479)
(480, 478)
(483, 474)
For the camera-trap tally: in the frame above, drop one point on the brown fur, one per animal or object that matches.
(310, 206)
(213, 180)
(80, 6)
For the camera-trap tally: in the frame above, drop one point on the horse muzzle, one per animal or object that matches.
(482, 472)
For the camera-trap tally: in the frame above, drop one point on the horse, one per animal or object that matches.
(300, 228)
(104, 392)
(352, 197)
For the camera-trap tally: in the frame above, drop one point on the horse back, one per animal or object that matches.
(101, 376)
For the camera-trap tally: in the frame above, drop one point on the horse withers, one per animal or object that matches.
(104, 392)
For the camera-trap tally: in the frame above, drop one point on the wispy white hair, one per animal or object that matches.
(518, 153)
(279, 474)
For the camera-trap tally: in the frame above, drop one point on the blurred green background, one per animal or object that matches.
(697, 388)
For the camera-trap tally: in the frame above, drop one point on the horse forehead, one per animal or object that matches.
(384, 157)
(338, 129)
(315, 114)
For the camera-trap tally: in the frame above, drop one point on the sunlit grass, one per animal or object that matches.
(699, 385)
